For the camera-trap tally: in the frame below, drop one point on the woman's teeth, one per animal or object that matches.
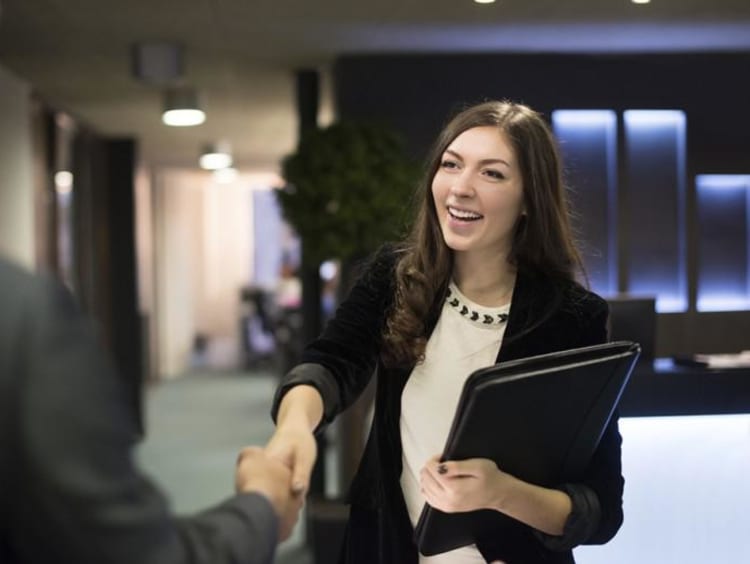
(464, 215)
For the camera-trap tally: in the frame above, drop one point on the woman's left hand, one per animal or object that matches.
(465, 485)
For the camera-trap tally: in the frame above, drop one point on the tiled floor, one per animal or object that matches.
(195, 426)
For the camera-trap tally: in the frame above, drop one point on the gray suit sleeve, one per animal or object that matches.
(81, 497)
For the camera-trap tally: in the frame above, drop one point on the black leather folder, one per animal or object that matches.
(539, 418)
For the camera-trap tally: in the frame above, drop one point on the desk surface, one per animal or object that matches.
(664, 388)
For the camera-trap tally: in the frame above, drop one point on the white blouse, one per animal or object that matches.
(467, 337)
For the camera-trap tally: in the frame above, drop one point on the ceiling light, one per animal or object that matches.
(640, 1)
(181, 108)
(216, 156)
(484, 1)
(225, 175)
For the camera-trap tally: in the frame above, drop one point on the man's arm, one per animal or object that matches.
(86, 501)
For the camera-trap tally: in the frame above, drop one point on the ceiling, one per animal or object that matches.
(241, 54)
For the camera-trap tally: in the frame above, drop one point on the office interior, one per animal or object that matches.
(652, 116)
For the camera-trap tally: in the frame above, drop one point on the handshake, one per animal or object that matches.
(259, 472)
(281, 471)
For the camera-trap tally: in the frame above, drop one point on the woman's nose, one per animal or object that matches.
(462, 185)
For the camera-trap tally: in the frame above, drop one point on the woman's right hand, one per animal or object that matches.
(296, 448)
(257, 472)
(293, 443)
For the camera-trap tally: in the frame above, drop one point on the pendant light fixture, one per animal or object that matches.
(216, 156)
(182, 107)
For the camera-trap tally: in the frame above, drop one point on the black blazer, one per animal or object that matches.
(69, 489)
(544, 317)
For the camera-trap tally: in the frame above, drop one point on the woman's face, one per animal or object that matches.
(478, 192)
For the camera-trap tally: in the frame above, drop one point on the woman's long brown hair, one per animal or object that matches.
(543, 242)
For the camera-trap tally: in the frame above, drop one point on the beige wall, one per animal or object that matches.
(16, 177)
(203, 255)
(145, 262)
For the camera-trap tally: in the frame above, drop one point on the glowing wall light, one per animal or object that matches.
(584, 119)
(64, 182)
(723, 242)
(588, 142)
(654, 173)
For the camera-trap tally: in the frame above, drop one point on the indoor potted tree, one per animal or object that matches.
(348, 186)
(349, 189)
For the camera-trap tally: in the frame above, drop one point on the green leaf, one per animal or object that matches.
(349, 186)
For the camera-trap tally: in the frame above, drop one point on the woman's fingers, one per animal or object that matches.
(458, 485)
(430, 487)
(297, 450)
(303, 466)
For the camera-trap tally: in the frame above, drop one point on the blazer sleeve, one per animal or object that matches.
(81, 497)
(596, 514)
(341, 362)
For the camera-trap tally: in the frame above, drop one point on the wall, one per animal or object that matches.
(417, 92)
(146, 280)
(16, 177)
(203, 256)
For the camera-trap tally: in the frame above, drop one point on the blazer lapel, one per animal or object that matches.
(532, 300)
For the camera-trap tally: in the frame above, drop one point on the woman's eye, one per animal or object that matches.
(495, 174)
(446, 163)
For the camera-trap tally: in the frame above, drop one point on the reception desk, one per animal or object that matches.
(686, 462)
(662, 387)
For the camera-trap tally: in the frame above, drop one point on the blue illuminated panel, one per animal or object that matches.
(723, 280)
(267, 227)
(655, 213)
(588, 141)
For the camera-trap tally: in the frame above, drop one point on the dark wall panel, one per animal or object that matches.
(416, 92)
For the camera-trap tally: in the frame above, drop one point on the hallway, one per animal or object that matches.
(195, 426)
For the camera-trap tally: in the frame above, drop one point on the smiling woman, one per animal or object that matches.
(487, 274)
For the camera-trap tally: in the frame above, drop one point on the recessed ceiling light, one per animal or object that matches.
(484, 1)
(640, 1)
